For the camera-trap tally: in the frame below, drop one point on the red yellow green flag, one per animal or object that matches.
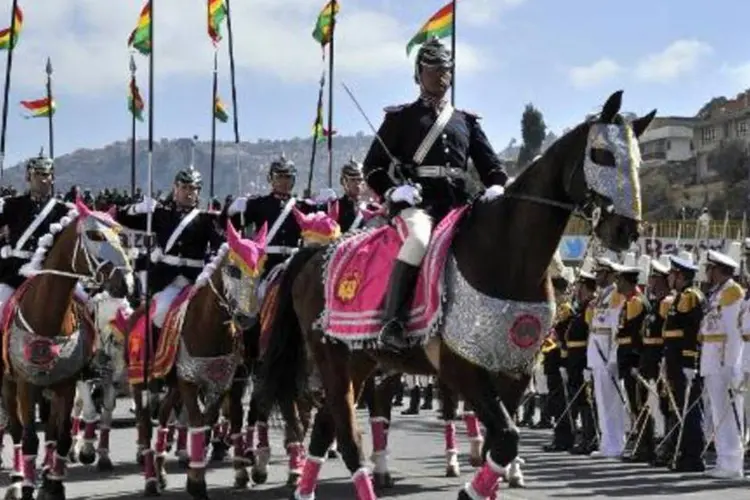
(320, 133)
(135, 101)
(217, 12)
(5, 34)
(140, 37)
(39, 107)
(440, 25)
(220, 111)
(323, 31)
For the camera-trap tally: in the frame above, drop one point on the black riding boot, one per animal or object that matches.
(414, 397)
(398, 398)
(428, 398)
(400, 292)
(529, 408)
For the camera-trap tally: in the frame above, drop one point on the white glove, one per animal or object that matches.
(689, 373)
(492, 192)
(326, 195)
(587, 375)
(406, 194)
(146, 206)
(564, 374)
(634, 371)
(238, 206)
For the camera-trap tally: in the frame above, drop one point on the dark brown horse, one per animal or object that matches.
(206, 350)
(48, 337)
(499, 299)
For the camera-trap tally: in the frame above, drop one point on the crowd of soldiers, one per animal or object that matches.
(650, 363)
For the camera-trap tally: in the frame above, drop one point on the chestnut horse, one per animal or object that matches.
(499, 299)
(208, 351)
(49, 337)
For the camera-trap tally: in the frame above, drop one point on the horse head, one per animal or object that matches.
(318, 228)
(100, 255)
(600, 175)
(246, 259)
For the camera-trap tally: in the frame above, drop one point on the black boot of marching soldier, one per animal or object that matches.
(414, 397)
(428, 397)
(396, 311)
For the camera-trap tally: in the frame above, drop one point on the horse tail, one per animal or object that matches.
(283, 369)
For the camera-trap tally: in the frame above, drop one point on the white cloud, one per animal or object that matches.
(739, 74)
(594, 74)
(482, 12)
(86, 40)
(679, 58)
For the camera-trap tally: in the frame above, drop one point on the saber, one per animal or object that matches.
(569, 407)
(372, 127)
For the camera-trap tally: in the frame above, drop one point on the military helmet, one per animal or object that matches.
(41, 164)
(189, 176)
(352, 170)
(432, 54)
(282, 166)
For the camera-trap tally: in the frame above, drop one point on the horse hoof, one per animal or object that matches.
(293, 478)
(162, 481)
(259, 477)
(27, 493)
(86, 458)
(333, 454)
(72, 456)
(462, 495)
(516, 482)
(197, 489)
(475, 461)
(452, 471)
(382, 480)
(152, 489)
(104, 465)
(241, 479)
(139, 458)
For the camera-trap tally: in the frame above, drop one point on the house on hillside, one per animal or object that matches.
(719, 122)
(668, 139)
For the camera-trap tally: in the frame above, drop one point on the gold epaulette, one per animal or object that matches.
(731, 294)
(689, 299)
(634, 307)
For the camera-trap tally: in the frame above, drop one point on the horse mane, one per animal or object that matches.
(210, 268)
(36, 264)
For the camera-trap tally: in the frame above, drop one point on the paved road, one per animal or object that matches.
(417, 462)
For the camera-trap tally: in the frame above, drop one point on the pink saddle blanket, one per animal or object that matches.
(357, 278)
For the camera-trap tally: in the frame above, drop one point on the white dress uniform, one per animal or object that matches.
(602, 360)
(721, 369)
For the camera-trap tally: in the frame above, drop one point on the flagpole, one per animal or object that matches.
(145, 395)
(453, 53)
(50, 114)
(235, 112)
(213, 123)
(334, 6)
(133, 68)
(6, 94)
(316, 131)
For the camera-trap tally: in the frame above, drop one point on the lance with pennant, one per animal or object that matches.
(15, 17)
(317, 130)
(232, 78)
(331, 52)
(453, 52)
(133, 115)
(214, 105)
(51, 113)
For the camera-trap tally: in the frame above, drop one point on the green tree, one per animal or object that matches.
(533, 131)
(730, 161)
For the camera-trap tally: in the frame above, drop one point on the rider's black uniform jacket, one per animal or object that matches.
(18, 214)
(403, 130)
(199, 238)
(681, 328)
(268, 208)
(348, 211)
(653, 341)
(577, 337)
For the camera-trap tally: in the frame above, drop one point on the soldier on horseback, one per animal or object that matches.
(352, 212)
(275, 209)
(184, 237)
(28, 217)
(432, 143)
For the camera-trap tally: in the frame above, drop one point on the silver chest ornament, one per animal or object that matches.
(212, 375)
(496, 334)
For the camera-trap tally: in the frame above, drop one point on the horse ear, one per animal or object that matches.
(611, 107)
(298, 216)
(641, 124)
(232, 235)
(112, 211)
(260, 236)
(333, 210)
(83, 210)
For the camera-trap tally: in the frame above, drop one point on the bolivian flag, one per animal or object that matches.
(220, 112)
(440, 25)
(5, 34)
(217, 12)
(39, 107)
(140, 37)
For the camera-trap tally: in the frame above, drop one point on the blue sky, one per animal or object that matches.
(564, 56)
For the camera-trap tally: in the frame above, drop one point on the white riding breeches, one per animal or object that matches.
(164, 299)
(415, 227)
